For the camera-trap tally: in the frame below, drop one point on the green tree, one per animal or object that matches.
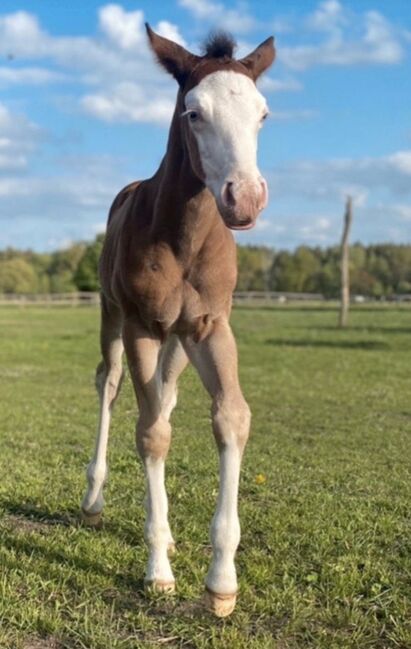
(254, 264)
(377, 270)
(17, 276)
(86, 275)
(296, 272)
(62, 268)
(40, 264)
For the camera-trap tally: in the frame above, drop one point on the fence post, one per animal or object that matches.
(345, 265)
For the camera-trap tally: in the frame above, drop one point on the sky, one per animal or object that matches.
(84, 110)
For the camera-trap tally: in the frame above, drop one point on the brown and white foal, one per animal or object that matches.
(168, 270)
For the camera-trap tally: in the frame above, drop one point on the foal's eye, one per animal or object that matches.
(264, 117)
(191, 114)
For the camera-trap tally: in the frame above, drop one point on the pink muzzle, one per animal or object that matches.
(242, 201)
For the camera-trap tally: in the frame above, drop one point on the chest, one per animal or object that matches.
(178, 294)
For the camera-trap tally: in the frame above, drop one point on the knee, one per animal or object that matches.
(114, 380)
(153, 439)
(231, 421)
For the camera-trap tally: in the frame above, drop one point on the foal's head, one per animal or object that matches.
(222, 114)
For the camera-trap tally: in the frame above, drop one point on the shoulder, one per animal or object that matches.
(122, 196)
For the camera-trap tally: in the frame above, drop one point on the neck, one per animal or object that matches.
(181, 196)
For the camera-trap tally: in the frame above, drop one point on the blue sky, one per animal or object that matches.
(84, 110)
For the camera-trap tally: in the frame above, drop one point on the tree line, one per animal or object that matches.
(377, 270)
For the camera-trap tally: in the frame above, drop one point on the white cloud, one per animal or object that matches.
(9, 162)
(125, 83)
(28, 76)
(401, 161)
(128, 102)
(201, 8)
(262, 224)
(237, 20)
(323, 223)
(18, 138)
(403, 211)
(328, 16)
(350, 39)
(170, 31)
(268, 84)
(22, 38)
(65, 204)
(308, 197)
(380, 38)
(288, 230)
(21, 35)
(334, 179)
(125, 29)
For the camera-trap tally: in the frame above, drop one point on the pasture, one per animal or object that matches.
(325, 495)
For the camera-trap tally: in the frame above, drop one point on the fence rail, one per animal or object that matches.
(51, 299)
(247, 298)
(241, 298)
(256, 298)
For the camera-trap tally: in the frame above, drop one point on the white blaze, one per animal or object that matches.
(230, 111)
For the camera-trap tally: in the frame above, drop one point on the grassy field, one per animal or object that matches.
(325, 556)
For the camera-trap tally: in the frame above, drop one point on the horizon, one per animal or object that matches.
(262, 246)
(82, 96)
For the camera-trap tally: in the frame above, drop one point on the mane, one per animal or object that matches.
(219, 45)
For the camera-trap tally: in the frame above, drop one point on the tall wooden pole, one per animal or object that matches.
(345, 261)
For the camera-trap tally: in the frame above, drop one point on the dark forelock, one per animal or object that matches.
(219, 45)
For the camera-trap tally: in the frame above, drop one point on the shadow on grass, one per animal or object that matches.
(366, 345)
(34, 514)
(125, 591)
(37, 518)
(24, 519)
(38, 547)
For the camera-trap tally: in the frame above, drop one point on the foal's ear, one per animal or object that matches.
(261, 58)
(173, 57)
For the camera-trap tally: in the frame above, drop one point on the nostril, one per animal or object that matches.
(228, 194)
(264, 194)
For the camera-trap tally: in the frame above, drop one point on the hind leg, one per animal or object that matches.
(109, 374)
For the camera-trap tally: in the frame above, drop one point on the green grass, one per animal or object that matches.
(325, 555)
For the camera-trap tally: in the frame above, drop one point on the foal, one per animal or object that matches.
(168, 270)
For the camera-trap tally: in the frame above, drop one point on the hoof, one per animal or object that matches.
(219, 605)
(171, 549)
(159, 586)
(92, 520)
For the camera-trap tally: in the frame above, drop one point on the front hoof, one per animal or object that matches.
(219, 605)
(90, 519)
(160, 586)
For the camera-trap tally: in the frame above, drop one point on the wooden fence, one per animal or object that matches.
(51, 299)
(261, 298)
(241, 298)
(245, 298)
